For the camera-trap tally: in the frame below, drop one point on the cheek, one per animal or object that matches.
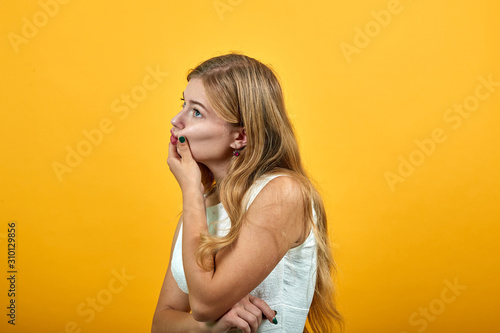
(201, 134)
(208, 141)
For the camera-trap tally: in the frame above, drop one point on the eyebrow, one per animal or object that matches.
(195, 102)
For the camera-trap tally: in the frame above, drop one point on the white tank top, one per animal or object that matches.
(288, 289)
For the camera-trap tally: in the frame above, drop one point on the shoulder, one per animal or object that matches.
(283, 188)
(284, 183)
(278, 208)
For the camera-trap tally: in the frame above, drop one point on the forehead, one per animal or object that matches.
(195, 89)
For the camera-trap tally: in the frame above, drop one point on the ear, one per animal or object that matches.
(240, 138)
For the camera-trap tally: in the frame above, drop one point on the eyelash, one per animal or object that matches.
(195, 110)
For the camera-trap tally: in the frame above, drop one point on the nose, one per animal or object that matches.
(177, 120)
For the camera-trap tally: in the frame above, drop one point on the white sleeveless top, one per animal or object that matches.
(288, 289)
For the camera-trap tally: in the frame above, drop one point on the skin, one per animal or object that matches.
(273, 225)
(212, 140)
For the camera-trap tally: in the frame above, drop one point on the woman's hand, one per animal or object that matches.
(245, 315)
(184, 168)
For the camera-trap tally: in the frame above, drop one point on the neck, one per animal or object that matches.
(213, 197)
(219, 170)
(219, 175)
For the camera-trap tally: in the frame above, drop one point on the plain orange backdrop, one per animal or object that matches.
(396, 109)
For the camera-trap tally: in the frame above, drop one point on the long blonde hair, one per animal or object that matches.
(247, 93)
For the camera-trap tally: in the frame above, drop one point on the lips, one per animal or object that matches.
(173, 138)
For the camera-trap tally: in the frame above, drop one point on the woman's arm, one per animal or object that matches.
(173, 311)
(273, 224)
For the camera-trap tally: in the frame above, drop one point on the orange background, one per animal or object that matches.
(393, 115)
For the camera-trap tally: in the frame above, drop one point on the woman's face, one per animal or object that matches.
(210, 138)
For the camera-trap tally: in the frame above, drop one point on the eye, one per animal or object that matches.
(197, 113)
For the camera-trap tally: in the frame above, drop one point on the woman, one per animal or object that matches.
(252, 241)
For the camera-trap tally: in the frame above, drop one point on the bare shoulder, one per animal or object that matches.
(282, 195)
(278, 209)
(284, 190)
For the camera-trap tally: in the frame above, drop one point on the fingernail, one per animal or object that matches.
(275, 321)
(275, 312)
(182, 139)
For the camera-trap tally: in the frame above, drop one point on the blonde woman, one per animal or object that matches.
(250, 251)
